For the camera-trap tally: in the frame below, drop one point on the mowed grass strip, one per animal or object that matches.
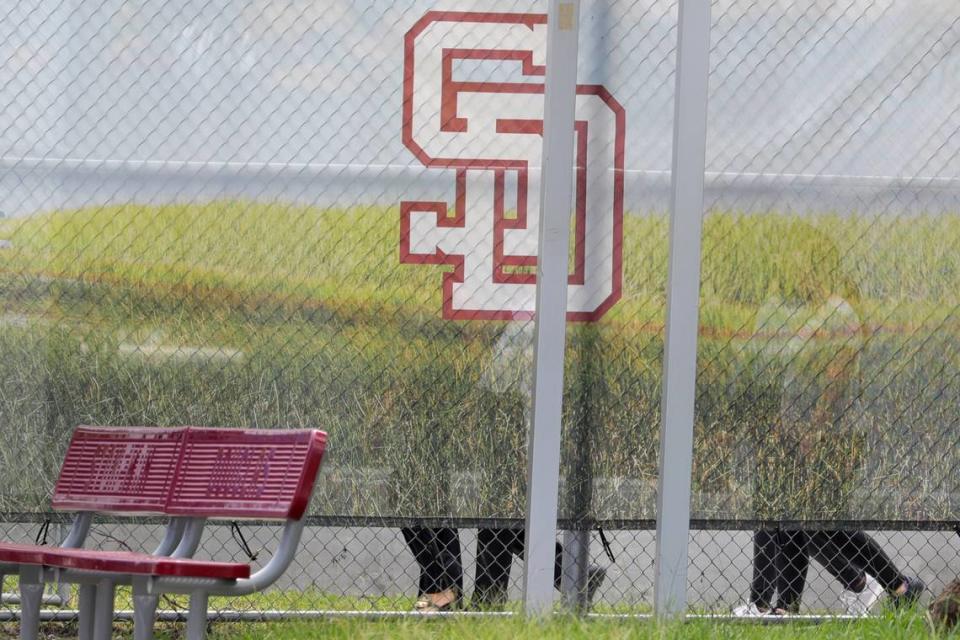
(910, 626)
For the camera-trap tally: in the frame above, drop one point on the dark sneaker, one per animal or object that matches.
(595, 578)
(915, 588)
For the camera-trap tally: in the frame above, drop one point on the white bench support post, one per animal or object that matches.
(144, 609)
(190, 542)
(103, 614)
(87, 596)
(31, 598)
(197, 617)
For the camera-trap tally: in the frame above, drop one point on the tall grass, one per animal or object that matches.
(239, 313)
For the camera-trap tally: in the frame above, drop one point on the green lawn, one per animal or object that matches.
(465, 629)
(881, 628)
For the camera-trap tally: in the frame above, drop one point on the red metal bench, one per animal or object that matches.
(190, 474)
(115, 471)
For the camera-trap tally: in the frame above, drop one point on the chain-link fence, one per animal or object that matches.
(279, 214)
(827, 392)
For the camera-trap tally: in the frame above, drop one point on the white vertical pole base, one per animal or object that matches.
(683, 299)
(576, 560)
(556, 206)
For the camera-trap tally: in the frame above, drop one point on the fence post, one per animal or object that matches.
(583, 421)
(683, 293)
(556, 197)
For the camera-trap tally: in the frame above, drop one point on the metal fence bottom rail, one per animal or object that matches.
(70, 615)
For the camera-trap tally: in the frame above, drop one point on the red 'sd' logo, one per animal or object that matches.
(486, 129)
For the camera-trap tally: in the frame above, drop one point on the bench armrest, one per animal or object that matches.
(270, 573)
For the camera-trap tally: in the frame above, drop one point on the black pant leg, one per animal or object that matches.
(868, 553)
(418, 541)
(831, 549)
(793, 560)
(437, 553)
(764, 568)
(449, 559)
(517, 547)
(494, 560)
(557, 565)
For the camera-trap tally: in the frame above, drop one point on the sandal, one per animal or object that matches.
(428, 602)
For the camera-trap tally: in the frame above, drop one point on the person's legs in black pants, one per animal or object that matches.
(495, 551)
(437, 552)
(792, 563)
(830, 548)
(859, 550)
(866, 552)
(494, 559)
(782, 558)
(764, 583)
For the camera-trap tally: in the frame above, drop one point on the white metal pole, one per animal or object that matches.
(556, 198)
(683, 297)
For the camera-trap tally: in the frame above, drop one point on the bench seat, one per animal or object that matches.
(13, 553)
(126, 562)
(129, 562)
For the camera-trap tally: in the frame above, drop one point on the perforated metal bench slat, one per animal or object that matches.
(118, 470)
(246, 473)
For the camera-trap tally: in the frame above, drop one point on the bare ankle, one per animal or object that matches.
(443, 598)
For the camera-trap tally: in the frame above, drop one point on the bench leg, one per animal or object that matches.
(144, 610)
(103, 615)
(31, 599)
(197, 617)
(87, 604)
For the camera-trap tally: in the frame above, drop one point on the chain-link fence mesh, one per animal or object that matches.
(827, 394)
(276, 214)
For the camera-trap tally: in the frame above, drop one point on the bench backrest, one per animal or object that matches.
(118, 470)
(236, 473)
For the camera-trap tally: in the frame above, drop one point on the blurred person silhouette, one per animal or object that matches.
(505, 389)
(813, 338)
(508, 380)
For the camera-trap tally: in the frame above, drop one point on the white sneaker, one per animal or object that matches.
(859, 604)
(749, 610)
